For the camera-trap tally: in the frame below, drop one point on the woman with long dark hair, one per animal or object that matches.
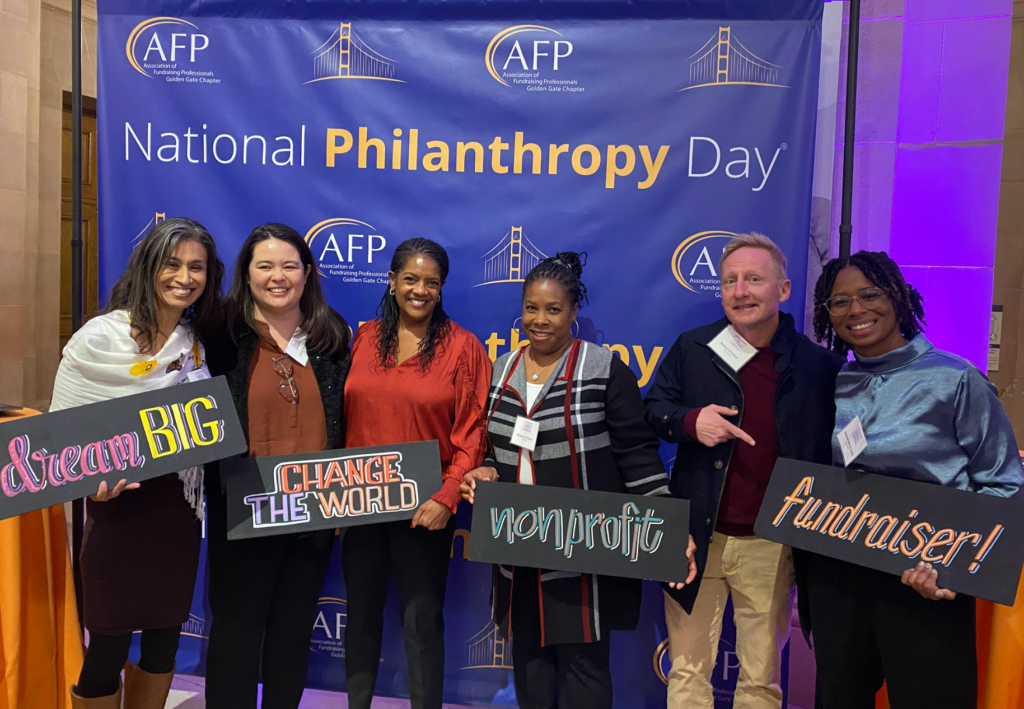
(285, 353)
(592, 437)
(928, 416)
(416, 376)
(141, 544)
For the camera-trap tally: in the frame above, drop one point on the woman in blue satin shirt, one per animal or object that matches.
(928, 416)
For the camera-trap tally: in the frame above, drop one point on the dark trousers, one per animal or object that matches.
(107, 654)
(263, 597)
(418, 559)
(567, 676)
(868, 628)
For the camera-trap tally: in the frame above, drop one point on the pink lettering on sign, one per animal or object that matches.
(18, 476)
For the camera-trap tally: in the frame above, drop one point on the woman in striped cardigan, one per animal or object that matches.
(592, 437)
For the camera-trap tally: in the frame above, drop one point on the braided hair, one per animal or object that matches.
(883, 273)
(440, 324)
(565, 268)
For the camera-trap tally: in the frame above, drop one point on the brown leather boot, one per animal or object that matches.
(112, 701)
(144, 690)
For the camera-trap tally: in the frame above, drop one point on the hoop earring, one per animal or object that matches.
(574, 334)
(391, 292)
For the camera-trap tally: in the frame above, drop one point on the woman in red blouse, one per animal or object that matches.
(415, 376)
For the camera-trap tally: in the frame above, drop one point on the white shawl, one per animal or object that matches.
(102, 362)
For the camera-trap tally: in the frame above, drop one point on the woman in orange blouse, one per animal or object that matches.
(415, 376)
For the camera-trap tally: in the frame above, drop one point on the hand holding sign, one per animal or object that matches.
(691, 565)
(432, 515)
(468, 486)
(104, 495)
(922, 578)
(712, 429)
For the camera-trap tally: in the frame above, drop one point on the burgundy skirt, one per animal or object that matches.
(139, 559)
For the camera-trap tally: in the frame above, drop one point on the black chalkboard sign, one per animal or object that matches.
(282, 494)
(580, 530)
(975, 541)
(53, 458)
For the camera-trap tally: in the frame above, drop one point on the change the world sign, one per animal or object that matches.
(289, 493)
(975, 541)
(51, 459)
(580, 530)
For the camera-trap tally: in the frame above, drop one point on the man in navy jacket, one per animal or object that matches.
(733, 415)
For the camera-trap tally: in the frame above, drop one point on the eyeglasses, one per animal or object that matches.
(869, 298)
(287, 387)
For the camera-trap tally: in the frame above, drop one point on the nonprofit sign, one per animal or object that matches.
(975, 541)
(51, 459)
(281, 494)
(563, 529)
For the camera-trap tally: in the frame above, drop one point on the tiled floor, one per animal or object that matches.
(187, 693)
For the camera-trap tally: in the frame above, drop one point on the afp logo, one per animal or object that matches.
(329, 627)
(148, 46)
(695, 261)
(723, 681)
(346, 248)
(530, 61)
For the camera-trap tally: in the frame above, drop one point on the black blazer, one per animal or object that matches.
(232, 356)
(692, 376)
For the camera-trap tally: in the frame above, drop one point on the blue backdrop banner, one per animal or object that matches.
(645, 142)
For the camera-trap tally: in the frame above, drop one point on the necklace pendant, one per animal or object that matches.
(536, 376)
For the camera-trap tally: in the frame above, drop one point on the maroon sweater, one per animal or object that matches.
(751, 466)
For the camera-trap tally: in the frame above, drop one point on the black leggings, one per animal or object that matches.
(107, 654)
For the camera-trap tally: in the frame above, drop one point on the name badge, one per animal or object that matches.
(852, 441)
(297, 349)
(731, 347)
(197, 375)
(525, 433)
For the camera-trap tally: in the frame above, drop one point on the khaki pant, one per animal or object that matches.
(759, 575)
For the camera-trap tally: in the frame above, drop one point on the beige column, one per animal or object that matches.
(35, 69)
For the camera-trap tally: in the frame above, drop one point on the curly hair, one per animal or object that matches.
(440, 325)
(883, 273)
(565, 268)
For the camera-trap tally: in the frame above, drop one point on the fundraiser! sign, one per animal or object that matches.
(975, 541)
(289, 493)
(581, 530)
(51, 459)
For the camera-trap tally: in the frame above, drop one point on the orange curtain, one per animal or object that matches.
(40, 641)
(1001, 654)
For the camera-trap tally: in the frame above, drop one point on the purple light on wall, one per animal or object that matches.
(945, 206)
(944, 186)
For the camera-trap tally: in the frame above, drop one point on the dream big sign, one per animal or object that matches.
(975, 541)
(281, 494)
(51, 459)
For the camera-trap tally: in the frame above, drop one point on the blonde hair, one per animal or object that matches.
(753, 240)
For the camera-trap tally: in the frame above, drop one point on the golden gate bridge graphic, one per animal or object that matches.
(488, 650)
(194, 626)
(511, 259)
(724, 61)
(346, 56)
(157, 218)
